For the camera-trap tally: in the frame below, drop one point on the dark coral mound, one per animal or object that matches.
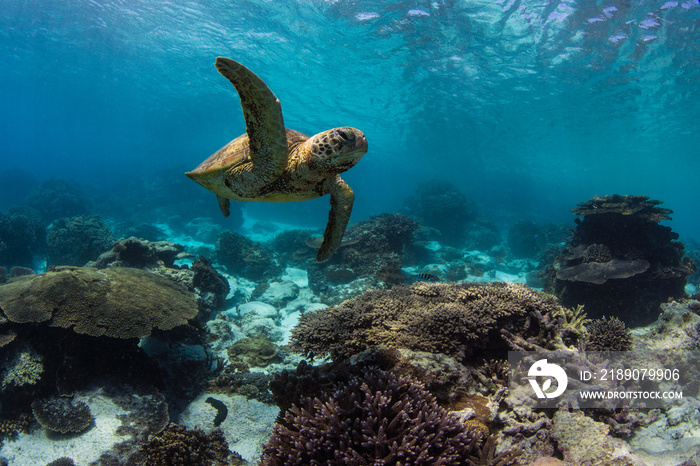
(620, 261)
(244, 257)
(77, 240)
(211, 284)
(61, 414)
(372, 249)
(22, 236)
(177, 446)
(457, 319)
(608, 335)
(57, 198)
(441, 205)
(140, 253)
(378, 418)
(529, 240)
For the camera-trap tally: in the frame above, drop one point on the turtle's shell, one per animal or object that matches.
(215, 173)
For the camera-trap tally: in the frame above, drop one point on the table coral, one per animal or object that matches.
(60, 414)
(455, 319)
(116, 302)
(620, 261)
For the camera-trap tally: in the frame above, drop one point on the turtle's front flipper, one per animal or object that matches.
(224, 205)
(263, 120)
(342, 199)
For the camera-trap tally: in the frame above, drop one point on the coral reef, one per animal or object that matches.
(178, 446)
(454, 319)
(527, 239)
(139, 253)
(608, 335)
(620, 262)
(373, 251)
(62, 461)
(256, 351)
(250, 384)
(244, 257)
(63, 415)
(22, 236)
(77, 240)
(377, 418)
(292, 247)
(57, 198)
(24, 367)
(116, 302)
(11, 427)
(210, 284)
(441, 205)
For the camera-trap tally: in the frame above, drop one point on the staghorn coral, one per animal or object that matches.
(177, 446)
(608, 335)
(244, 257)
(77, 240)
(378, 418)
(455, 319)
(116, 302)
(60, 414)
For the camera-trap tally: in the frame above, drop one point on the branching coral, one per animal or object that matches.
(25, 368)
(608, 335)
(455, 319)
(375, 419)
(177, 446)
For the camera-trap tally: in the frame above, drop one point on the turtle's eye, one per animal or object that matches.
(345, 135)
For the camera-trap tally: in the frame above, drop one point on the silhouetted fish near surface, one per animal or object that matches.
(420, 277)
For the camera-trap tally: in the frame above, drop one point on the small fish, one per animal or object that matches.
(423, 277)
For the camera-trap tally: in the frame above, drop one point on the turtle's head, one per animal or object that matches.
(336, 150)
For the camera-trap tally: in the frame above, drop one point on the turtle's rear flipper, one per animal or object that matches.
(224, 205)
(342, 199)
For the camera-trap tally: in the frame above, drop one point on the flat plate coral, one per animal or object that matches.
(117, 302)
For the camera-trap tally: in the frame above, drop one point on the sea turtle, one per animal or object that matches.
(271, 163)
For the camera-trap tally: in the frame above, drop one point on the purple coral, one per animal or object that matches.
(375, 419)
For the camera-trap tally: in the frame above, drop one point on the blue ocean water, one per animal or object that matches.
(529, 106)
